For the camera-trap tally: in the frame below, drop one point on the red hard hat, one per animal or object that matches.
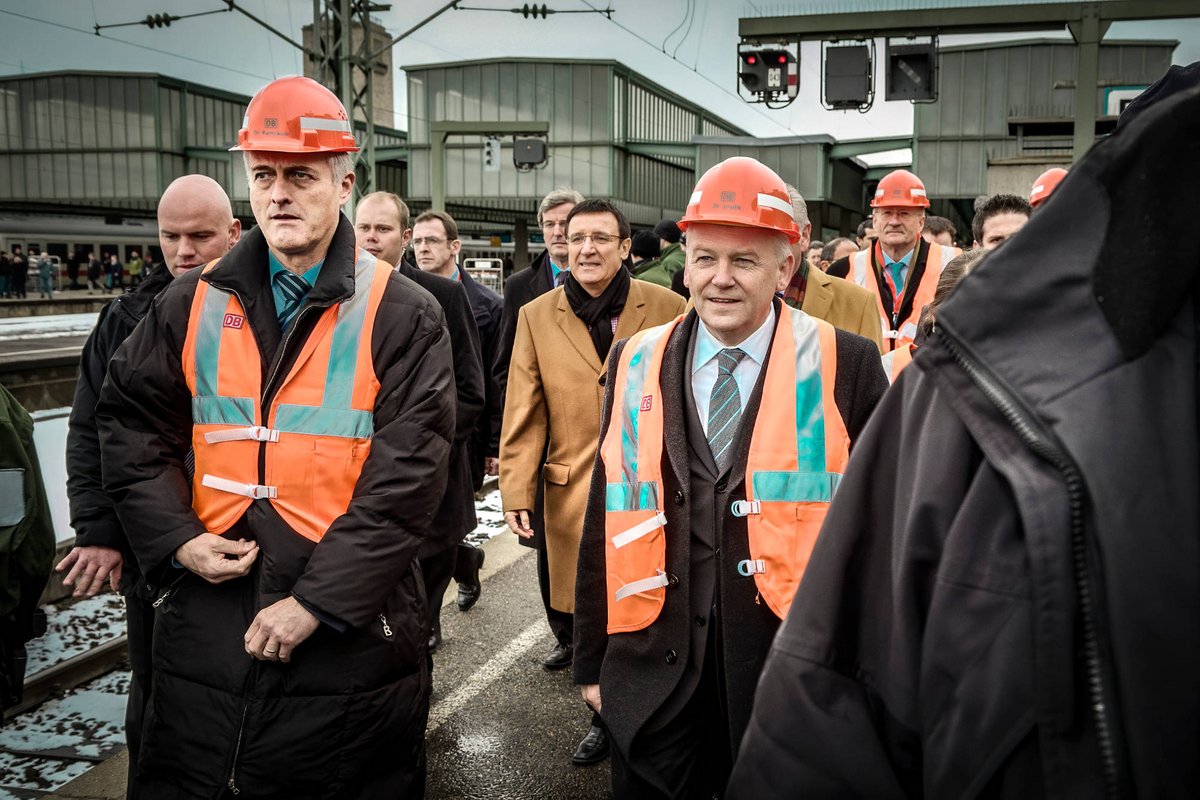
(296, 115)
(900, 188)
(1046, 183)
(742, 191)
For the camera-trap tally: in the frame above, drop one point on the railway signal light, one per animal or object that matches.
(491, 154)
(912, 72)
(771, 76)
(848, 78)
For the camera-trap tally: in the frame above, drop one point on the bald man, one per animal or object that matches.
(195, 226)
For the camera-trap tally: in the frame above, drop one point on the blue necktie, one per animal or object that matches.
(294, 289)
(724, 408)
(897, 268)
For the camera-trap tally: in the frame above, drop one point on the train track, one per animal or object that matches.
(57, 680)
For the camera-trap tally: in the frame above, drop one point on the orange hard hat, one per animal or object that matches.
(1046, 183)
(742, 191)
(296, 115)
(900, 188)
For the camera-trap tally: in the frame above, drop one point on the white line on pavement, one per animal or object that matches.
(485, 676)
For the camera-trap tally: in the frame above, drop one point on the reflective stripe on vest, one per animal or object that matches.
(895, 362)
(318, 429)
(798, 451)
(862, 272)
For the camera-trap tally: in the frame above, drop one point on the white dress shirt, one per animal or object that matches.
(705, 367)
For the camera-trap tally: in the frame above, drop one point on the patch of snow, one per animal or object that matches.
(76, 628)
(27, 772)
(46, 327)
(86, 724)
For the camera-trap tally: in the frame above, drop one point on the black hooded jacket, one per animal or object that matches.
(93, 515)
(1004, 599)
(336, 718)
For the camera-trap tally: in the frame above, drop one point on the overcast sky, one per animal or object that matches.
(689, 46)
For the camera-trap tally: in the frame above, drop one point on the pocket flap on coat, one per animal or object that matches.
(558, 474)
(12, 497)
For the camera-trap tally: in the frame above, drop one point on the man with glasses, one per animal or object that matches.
(552, 415)
(546, 272)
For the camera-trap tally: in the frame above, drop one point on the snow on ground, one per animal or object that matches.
(76, 628)
(46, 327)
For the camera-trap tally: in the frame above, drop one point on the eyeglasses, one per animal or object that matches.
(598, 239)
(432, 241)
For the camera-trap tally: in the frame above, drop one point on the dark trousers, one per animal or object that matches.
(688, 758)
(562, 624)
(437, 570)
(17, 287)
(139, 623)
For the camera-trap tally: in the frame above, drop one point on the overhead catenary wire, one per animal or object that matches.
(697, 72)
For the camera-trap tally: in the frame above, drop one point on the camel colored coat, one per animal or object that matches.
(552, 416)
(843, 305)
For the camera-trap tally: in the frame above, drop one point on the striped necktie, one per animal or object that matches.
(293, 289)
(724, 408)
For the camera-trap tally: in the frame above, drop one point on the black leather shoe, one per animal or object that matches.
(560, 657)
(469, 585)
(593, 749)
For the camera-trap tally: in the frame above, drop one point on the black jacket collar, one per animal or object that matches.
(244, 269)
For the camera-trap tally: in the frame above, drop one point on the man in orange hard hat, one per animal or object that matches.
(723, 439)
(1045, 185)
(275, 435)
(900, 268)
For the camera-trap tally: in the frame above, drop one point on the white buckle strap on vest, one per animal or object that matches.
(640, 530)
(891, 334)
(255, 491)
(644, 585)
(744, 508)
(752, 566)
(255, 433)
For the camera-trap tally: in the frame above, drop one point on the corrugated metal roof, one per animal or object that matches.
(842, 7)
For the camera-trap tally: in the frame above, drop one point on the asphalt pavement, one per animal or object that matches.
(501, 725)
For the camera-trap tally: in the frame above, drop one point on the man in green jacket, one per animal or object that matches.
(671, 255)
(26, 544)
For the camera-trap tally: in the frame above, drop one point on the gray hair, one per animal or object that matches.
(799, 207)
(557, 198)
(340, 165)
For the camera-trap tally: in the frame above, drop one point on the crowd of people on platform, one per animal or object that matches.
(872, 516)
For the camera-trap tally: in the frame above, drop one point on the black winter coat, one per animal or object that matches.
(455, 516)
(487, 307)
(93, 515)
(638, 671)
(1004, 599)
(340, 717)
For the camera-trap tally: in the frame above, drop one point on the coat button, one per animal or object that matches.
(721, 486)
(717, 553)
(679, 498)
(672, 580)
(603, 378)
(701, 622)
(672, 657)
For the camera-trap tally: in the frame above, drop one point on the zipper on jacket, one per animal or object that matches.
(237, 751)
(1098, 680)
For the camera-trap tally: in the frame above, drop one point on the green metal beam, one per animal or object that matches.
(660, 150)
(383, 154)
(858, 147)
(942, 21)
(437, 153)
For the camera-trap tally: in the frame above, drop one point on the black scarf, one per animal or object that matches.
(597, 312)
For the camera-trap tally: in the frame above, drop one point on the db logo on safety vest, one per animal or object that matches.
(647, 402)
(234, 321)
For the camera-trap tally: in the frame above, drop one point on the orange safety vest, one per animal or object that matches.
(862, 272)
(895, 361)
(798, 452)
(318, 428)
